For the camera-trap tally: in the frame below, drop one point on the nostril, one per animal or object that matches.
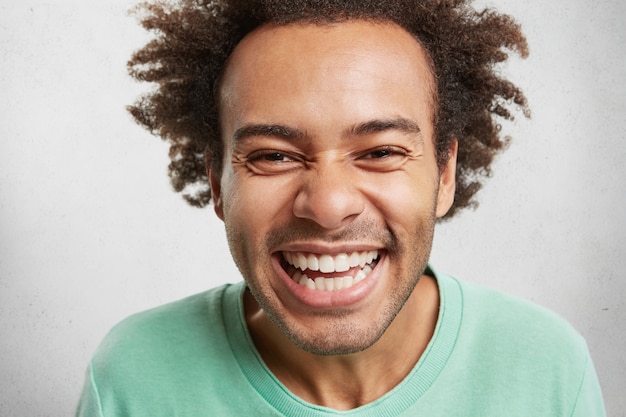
(331, 205)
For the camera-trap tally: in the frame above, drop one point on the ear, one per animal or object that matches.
(215, 181)
(447, 182)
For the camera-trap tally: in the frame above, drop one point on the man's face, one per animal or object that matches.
(330, 187)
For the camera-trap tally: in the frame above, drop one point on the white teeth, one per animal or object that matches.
(341, 262)
(362, 273)
(335, 283)
(327, 264)
(329, 284)
(355, 259)
(363, 257)
(310, 284)
(301, 261)
(302, 280)
(298, 276)
(348, 282)
(313, 263)
(338, 283)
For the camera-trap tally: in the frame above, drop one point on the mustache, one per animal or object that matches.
(364, 231)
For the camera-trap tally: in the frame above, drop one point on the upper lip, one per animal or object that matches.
(326, 249)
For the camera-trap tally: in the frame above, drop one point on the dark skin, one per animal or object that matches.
(193, 40)
(330, 190)
(348, 381)
(345, 348)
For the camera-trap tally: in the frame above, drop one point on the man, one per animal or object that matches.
(329, 133)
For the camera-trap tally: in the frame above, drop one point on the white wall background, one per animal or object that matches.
(90, 231)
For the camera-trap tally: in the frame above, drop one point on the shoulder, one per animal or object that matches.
(502, 315)
(180, 332)
(508, 338)
(169, 320)
(512, 356)
(171, 358)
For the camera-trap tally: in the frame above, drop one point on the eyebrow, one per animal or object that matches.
(376, 126)
(361, 129)
(269, 130)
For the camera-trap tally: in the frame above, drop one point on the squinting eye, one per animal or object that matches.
(269, 156)
(380, 153)
(272, 162)
(275, 157)
(385, 152)
(384, 159)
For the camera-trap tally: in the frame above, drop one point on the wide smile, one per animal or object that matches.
(326, 272)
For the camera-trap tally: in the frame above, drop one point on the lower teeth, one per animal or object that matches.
(331, 284)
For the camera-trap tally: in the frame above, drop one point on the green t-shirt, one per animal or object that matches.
(491, 355)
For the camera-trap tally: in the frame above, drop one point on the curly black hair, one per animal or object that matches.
(194, 38)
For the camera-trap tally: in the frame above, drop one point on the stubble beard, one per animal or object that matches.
(340, 336)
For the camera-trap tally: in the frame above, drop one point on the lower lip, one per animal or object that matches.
(346, 297)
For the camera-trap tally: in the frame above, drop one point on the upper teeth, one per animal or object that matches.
(327, 263)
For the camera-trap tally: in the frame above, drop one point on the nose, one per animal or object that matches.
(330, 197)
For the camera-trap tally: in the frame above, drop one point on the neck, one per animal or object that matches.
(344, 382)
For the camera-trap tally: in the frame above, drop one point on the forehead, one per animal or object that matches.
(329, 64)
(347, 35)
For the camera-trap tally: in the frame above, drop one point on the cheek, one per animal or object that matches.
(253, 203)
(402, 199)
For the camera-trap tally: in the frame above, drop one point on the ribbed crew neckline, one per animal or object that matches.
(393, 403)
